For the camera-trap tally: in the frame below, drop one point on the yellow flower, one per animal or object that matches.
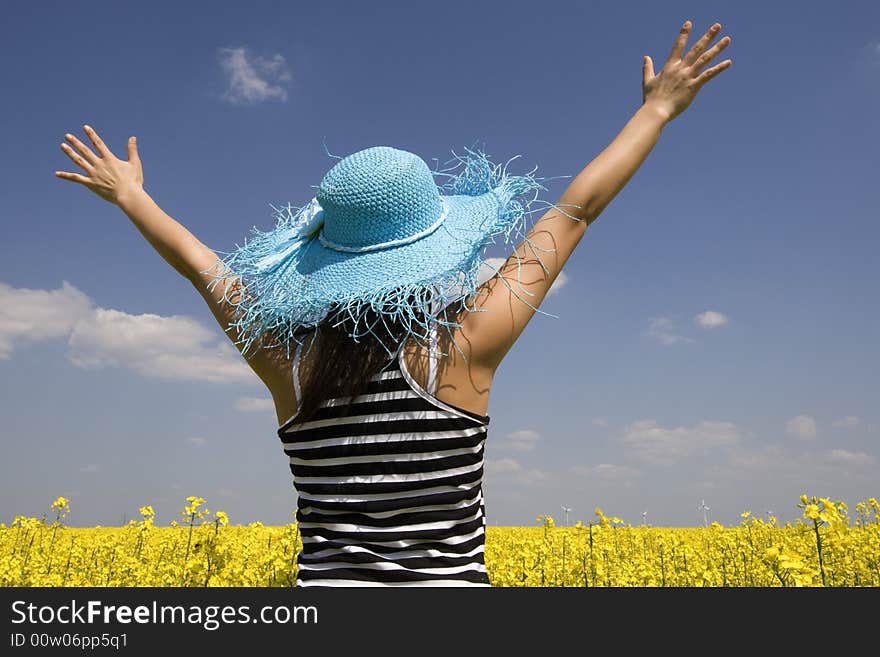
(771, 553)
(812, 511)
(195, 502)
(61, 504)
(192, 510)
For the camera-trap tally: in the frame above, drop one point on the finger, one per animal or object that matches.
(75, 177)
(647, 70)
(680, 41)
(710, 73)
(77, 158)
(133, 150)
(710, 54)
(97, 141)
(84, 150)
(701, 44)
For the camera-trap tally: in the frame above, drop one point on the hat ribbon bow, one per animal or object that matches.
(309, 224)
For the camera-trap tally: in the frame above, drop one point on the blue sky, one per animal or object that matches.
(717, 327)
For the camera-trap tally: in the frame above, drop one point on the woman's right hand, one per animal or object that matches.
(107, 175)
(677, 84)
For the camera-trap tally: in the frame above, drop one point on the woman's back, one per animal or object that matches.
(390, 489)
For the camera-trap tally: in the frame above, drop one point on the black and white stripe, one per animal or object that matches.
(390, 492)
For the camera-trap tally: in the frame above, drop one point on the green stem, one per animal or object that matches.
(819, 548)
(188, 542)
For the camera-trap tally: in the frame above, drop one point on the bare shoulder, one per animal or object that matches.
(461, 380)
(507, 302)
(277, 374)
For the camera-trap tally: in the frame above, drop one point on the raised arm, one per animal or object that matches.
(120, 182)
(554, 236)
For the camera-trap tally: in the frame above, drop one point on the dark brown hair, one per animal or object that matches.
(341, 366)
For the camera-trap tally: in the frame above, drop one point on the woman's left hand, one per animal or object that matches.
(107, 176)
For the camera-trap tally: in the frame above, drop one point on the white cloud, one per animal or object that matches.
(36, 315)
(802, 426)
(710, 319)
(846, 422)
(513, 472)
(561, 279)
(844, 457)
(91, 467)
(600, 422)
(488, 269)
(779, 465)
(254, 404)
(175, 347)
(252, 78)
(662, 329)
(873, 50)
(520, 441)
(765, 458)
(649, 442)
(484, 273)
(606, 472)
(198, 441)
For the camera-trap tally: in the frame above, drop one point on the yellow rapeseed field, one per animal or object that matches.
(827, 547)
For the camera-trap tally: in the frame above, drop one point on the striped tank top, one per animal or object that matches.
(390, 492)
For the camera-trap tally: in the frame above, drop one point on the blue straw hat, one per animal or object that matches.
(380, 239)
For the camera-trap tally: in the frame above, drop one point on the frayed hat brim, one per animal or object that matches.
(291, 279)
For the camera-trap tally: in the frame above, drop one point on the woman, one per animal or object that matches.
(385, 437)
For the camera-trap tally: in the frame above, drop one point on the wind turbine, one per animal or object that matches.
(645, 517)
(705, 509)
(566, 509)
